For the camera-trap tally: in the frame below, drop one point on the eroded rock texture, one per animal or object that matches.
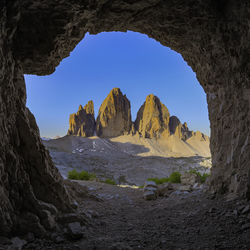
(114, 116)
(31, 188)
(82, 123)
(152, 119)
(212, 36)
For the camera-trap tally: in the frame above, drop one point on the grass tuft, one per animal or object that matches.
(175, 177)
(109, 181)
(83, 175)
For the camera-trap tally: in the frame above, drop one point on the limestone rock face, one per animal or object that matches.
(152, 119)
(82, 123)
(114, 116)
(175, 126)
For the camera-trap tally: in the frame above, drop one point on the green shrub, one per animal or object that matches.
(83, 175)
(204, 177)
(193, 171)
(175, 177)
(109, 181)
(73, 175)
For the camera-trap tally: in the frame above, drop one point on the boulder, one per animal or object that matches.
(82, 123)
(152, 119)
(149, 195)
(150, 184)
(187, 188)
(150, 190)
(114, 117)
(190, 179)
(75, 230)
(165, 189)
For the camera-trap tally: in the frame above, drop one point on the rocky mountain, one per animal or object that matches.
(175, 126)
(152, 119)
(114, 117)
(182, 131)
(82, 123)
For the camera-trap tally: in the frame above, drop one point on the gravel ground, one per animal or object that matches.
(121, 219)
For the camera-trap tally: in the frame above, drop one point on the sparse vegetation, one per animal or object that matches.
(175, 177)
(109, 181)
(86, 176)
(159, 181)
(203, 177)
(83, 175)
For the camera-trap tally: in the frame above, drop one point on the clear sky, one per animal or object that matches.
(138, 65)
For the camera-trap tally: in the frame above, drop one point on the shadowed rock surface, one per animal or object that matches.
(212, 36)
(82, 123)
(152, 119)
(114, 117)
(175, 126)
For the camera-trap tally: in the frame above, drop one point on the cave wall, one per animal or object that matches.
(211, 35)
(30, 185)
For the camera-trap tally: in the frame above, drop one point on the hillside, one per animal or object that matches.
(128, 159)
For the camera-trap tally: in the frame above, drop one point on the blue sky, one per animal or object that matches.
(138, 65)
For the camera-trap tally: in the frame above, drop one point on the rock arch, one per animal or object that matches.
(211, 35)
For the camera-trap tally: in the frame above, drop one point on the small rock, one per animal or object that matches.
(190, 179)
(48, 219)
(245, 226)
(185, 188)
(235, 212)
(93, 213)
(150, 184)
(17, 243)
(149, 188)
(212, 210)
(246, 210)
(164, 189)
(74, 204)
(59, 239)
(75, 230)
(149, 195)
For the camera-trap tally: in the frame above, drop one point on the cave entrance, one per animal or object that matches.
(139, 66)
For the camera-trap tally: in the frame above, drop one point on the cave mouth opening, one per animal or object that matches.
(138, 66)
(36, 36)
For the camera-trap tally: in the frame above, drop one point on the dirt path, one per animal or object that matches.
(121, 219)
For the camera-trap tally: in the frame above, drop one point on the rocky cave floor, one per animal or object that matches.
(119, 218)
